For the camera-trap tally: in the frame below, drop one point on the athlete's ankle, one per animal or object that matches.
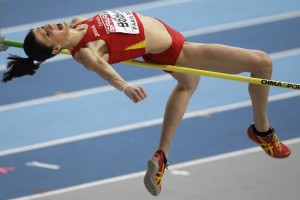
(262, 133)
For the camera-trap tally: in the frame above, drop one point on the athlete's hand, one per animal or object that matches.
(135, 93)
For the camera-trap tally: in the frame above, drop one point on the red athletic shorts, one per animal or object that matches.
(169, 56)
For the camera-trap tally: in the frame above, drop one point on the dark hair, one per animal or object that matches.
(37, 53)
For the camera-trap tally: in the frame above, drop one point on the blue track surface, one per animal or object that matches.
(126, 152)
(32, 112)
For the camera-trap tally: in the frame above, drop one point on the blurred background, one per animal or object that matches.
(66, 134)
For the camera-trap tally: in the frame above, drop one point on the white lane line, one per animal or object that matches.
(101, 89)
(189, 33)
(241, 24)
(142, 173)
(144, 6)
(144, 124)
(287, 53)
(135, 7)
(72, 95)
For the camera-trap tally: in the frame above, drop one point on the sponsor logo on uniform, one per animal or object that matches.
(99, 20)
(95, 31)
(107, 22)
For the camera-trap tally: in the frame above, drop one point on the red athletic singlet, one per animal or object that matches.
(122, 32)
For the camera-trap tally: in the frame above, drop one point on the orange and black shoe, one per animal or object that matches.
(270, 143)
(156, 168)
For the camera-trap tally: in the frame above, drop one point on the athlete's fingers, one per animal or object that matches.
(137, 97)
(135, 93)
(144, 92)
(141, 92)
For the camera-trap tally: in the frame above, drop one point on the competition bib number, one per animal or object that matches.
(119, 22)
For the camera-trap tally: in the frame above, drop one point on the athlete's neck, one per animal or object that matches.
(75, 35)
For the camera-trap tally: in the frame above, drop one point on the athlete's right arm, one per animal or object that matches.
(96, 63)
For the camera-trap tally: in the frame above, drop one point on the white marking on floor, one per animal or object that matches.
(142, 173)
(42, 165)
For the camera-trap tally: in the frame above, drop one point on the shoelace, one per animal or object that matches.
(276, 140)
(160, 174)
(267, 144)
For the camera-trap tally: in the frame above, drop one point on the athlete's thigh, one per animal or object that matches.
(216, 57)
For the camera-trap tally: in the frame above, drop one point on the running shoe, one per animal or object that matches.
(270, 144)
(156, 168)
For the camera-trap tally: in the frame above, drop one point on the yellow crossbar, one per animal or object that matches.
(172, 68)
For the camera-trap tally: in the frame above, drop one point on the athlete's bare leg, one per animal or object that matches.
(234, 60)
(217, 58)
(176, 107)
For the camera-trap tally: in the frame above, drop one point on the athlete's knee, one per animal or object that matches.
(264, 64)
(189, 84)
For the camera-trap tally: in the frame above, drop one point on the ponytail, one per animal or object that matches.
(36, 52)
(18, 66)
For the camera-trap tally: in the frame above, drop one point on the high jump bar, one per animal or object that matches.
(4, 44)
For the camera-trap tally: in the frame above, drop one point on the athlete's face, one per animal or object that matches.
(52, 34)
